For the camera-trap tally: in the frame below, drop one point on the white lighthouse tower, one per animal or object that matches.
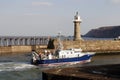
(77, 21)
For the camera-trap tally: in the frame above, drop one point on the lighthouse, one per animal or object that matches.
(77, 21)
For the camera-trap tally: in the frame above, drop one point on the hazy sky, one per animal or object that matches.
(48, 17)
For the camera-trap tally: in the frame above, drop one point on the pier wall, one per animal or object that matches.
(22, 44)
(19, 49)
(92, 45)
(5, 50)
(86, 45)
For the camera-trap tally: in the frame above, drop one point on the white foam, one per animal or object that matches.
(14, 66)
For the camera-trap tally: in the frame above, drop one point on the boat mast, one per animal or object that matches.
(60, 45)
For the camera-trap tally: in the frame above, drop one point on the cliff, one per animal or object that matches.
(104, 32)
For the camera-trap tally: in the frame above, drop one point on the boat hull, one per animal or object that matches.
(64, 64)
(62, 61)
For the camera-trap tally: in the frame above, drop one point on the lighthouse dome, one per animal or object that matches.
(77, 17)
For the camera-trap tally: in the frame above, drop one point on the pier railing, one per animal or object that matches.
(23, 41)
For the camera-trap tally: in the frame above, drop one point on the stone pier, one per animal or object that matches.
(20, 49)
(21, 44)
(92, 45)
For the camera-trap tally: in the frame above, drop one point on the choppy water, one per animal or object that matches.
(18, 67)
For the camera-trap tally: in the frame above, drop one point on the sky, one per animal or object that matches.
(49, 17)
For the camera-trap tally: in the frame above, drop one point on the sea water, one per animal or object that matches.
(18, 67)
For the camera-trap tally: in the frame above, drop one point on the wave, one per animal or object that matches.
(15, 66)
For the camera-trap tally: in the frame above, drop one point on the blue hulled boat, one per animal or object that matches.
(60, 57)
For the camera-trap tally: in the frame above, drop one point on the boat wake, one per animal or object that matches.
(14, 66)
